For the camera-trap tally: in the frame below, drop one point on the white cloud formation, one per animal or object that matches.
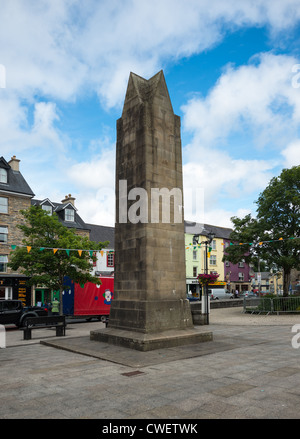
(61, 47)
(257, 97)
(56, 51)
(94, 180)
(291, 154)
(258, 102)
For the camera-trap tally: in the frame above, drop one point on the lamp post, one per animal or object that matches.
(210, 236)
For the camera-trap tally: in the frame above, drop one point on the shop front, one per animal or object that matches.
(16, 288)
(193, 289)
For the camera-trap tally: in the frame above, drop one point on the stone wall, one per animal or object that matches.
(12, 220)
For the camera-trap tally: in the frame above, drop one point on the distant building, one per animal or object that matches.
(15, 195)
(231, 276)
(105, 264)
(66, 212)
(237, 276)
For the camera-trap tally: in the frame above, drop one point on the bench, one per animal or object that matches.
(59, 322)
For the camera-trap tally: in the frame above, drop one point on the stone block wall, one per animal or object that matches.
(11, 220)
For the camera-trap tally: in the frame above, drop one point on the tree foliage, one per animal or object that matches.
(271, 236)
(43, 233)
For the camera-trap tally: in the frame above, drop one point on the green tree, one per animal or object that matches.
(272, 235)
(45, 266)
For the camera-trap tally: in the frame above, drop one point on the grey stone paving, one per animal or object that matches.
(247, 371)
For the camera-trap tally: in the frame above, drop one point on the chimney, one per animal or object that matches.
(68, 199)
(14, 163)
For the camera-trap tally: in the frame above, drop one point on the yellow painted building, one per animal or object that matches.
(195, 254)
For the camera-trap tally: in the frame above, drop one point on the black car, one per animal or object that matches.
(13, 312)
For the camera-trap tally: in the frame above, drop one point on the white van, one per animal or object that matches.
(219, 293)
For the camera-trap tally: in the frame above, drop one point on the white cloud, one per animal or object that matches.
(258, 97)
(60, 48)
(56, 51)
(97, 207)
(225, 182)
(95, 173)
(258, 102)
(292, 154)
(221, 217)
(94, 185)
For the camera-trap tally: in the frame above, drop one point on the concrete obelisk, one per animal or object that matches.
(149, 309)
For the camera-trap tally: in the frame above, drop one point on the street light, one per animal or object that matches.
(210, 236)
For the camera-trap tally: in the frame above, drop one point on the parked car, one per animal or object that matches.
(219, 293)
(13, 312)
(193, 299)
(247, 294)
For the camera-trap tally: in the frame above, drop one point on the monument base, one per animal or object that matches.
(148, 342)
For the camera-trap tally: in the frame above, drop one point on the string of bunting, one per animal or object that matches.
(67, 250)
(193, 246)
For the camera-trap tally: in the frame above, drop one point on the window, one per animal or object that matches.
(110, 259)
(47, 208)
(213, 244)
(3, 175)
(3, 263)
(3, 205)
(213, 260)
(241, 277)
(241, 264)
(5, 294)
(3, 233)
(69, 215)
(195, 254)
(227, 264)
(195, 269)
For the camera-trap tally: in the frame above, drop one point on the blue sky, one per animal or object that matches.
(233, 74)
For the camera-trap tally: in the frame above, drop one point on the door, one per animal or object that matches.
(10, 312)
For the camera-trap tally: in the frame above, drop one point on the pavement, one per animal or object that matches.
(251, 370)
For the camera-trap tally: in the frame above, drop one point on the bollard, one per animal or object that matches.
(2, 337)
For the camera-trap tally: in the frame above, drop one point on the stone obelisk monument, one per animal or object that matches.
(149, 309)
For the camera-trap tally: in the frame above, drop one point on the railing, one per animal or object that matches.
(270, 305)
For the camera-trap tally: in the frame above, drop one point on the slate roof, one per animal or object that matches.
(194, 228)
(15, 181)
(102, 233)
(78, 222)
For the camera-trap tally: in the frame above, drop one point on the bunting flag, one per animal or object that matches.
(264, 242)
(247, 243)
(67, 250)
